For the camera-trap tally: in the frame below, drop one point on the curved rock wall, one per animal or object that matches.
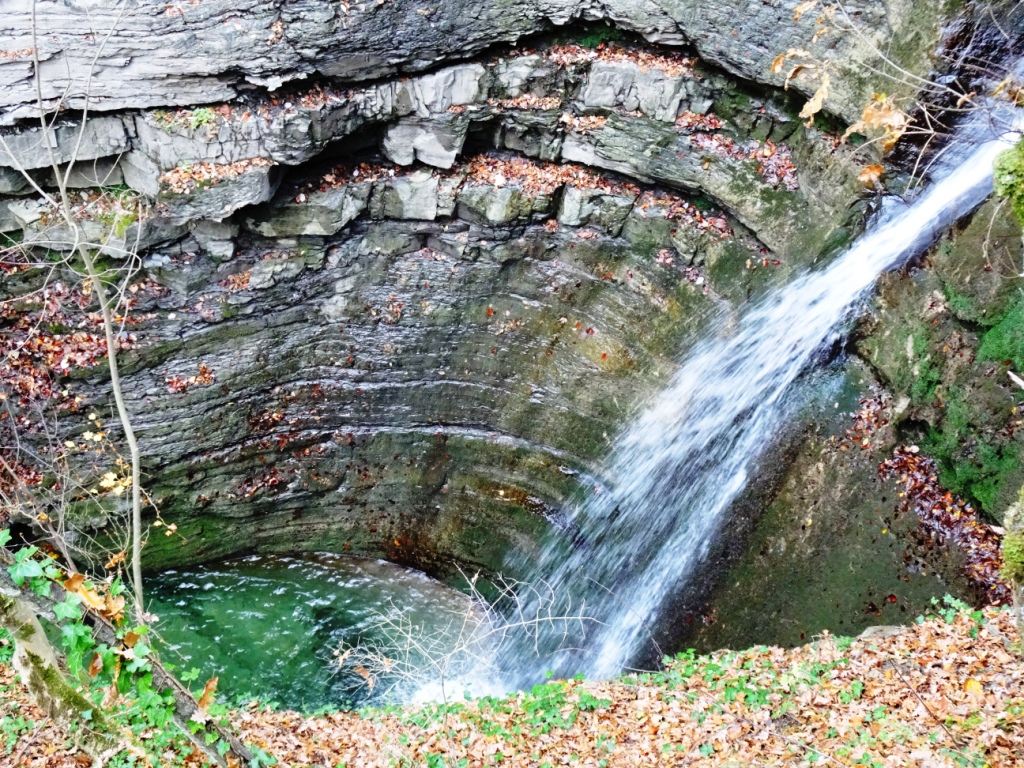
(407, 318)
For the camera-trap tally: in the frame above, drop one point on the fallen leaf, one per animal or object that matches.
(803, 8)
(364, 673)
(870, 175)
(113, 609)
(206, 698)
(817, 101)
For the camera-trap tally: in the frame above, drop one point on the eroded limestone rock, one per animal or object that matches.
(421, 365)
(213, 50)
(317, 213)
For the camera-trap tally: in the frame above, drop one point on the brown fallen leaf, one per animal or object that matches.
(113, 608)
(817, 101)
(881, 114)
(803, 8)
(206, 699)
(115, 560)
(76, 585)
(870, 175)
(364, 673)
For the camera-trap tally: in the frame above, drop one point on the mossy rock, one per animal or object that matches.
(979, 265)
(1013, 542)
(1009, 178)
(943, 340)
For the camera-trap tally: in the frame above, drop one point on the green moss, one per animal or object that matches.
(191, 119)
(980, 471)
(944, 442)
(1005, 340)
(1009, 178)
(928, 374)
(961, 305)
(592, 34)
(984, 476)
(1013, 557)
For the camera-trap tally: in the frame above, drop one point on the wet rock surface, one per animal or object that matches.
(408, 319)
(831, 550)
(943, 336)
(840, 546)
(403, 296)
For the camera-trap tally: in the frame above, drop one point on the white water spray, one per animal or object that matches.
(678, 468)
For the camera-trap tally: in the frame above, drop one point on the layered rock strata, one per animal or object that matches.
(407, 317)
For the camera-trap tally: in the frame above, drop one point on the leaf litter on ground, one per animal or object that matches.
(947, 691)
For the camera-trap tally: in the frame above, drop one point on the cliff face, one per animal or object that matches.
(406, 315)
(184, 52)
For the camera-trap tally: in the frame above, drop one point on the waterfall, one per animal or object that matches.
(677, 469)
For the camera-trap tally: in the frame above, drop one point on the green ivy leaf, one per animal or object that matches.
(260, 759)
(5, 537)
(69, 610)
(24, 567)
(77, 641)
(40, 586)
(116, 587)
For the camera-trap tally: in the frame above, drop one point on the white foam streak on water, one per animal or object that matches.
(682, 463)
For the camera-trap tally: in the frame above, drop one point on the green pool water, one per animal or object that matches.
(270, 627)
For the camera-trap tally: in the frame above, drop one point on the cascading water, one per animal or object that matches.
(677, 469)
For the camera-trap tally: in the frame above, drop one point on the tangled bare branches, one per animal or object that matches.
(463, 647)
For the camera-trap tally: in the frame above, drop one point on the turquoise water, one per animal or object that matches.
(270, 627)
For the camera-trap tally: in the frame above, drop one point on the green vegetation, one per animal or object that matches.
(693, 697)
(6, 647)
(1005, 340)
(12, 728)
(929, 373)
(1013, 543)
(142, 710)
(711, 689)
(952, 362)
(185, 119)
(121, 209)
(960, 304)
(201, 117)
(977, 460)
(1013, 557)
(972, 465)
(1009, 178)
(593, 34)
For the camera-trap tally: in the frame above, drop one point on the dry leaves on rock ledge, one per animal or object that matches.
(187, 178)
(670, 64)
